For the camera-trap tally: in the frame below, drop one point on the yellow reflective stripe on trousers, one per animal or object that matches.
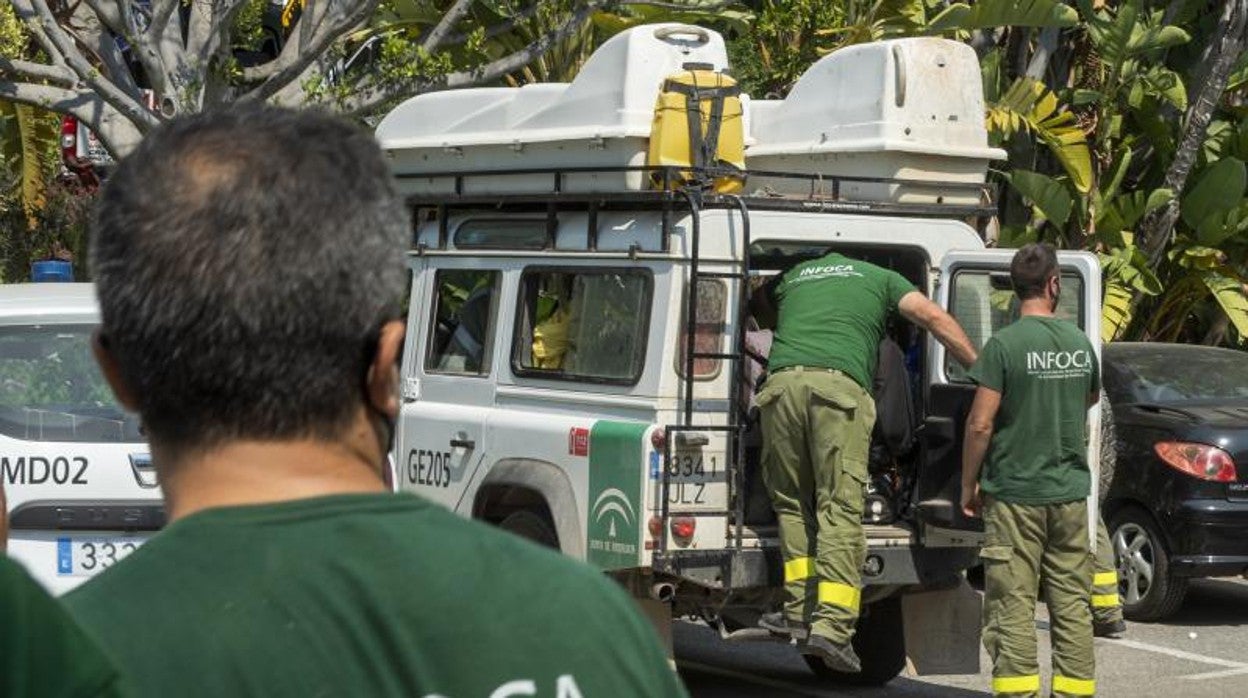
(838, 594)
(1104, 600)
(1016, 684)
(1075, 687)
(1104, 579)
(797, 569)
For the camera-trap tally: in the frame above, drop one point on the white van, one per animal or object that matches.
(76, 471)
(562, 381)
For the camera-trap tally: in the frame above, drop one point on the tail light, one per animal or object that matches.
(69, 137)
(683, 528)
(655, 526)
(1198, 460)
(658, 439)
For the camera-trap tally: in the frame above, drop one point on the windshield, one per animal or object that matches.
(51, 389)
(1169, 373)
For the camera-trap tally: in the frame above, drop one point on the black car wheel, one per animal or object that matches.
(531, 525)
(1147, 589)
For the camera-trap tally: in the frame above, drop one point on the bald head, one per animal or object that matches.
(245, 261)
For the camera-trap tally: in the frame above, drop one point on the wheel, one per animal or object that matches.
(532, 525)
(1109, 448)
(880, 644)
(1147, 588)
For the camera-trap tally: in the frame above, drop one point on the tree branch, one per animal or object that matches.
(368, 99)
(444, 26)
(58, 99)
(57, 75)
(1158, 226)
(37, 11)
(31, 20)
(291, 63)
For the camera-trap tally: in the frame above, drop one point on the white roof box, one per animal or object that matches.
(600, 119)
(910, 109)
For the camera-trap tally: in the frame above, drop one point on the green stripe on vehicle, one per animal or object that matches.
(615, 477)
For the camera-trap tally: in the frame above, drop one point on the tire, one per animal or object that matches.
(1109, 448)
(880, 643)
(1141, 552)
(532, 525)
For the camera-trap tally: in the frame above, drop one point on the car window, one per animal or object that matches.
(1159, 373)
(983, 302)
(587, 324)
(708, 331)
(52, 390)
(462, 328)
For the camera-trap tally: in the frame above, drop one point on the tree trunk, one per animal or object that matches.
(1157, 227)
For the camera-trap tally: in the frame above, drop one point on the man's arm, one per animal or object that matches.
(920, 310)
(979, 426)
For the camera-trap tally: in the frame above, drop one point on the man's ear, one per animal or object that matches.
(383, 372)
(123, 391)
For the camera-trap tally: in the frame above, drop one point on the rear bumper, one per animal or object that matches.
(1209, 537)
(887, 565)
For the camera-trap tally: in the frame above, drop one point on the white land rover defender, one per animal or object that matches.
(561, 380)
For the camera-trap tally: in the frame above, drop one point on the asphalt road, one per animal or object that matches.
(1200, 653)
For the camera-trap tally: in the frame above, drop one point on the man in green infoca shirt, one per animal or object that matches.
(817, 414)
(249, 267)
(1027, 427)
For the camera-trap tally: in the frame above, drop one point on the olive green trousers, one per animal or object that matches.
(1029, 546)
(1106, 606)
(816, 435)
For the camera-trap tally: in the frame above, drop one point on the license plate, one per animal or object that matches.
(697, 481)
(84, 557)
(696, 466)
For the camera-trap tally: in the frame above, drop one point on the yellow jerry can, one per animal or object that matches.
(698, 124)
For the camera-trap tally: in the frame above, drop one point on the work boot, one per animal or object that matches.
(778, 624)
(1110, 629)
(838, 657)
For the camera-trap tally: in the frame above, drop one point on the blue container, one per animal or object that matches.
(52, 270)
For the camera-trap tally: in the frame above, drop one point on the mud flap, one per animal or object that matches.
(943, 631)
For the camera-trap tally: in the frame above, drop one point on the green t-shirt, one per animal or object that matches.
(832, 312)
(1045, 369)
(364, 595)
(42, 651)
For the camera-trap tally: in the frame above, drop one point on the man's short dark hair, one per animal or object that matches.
(1032, 267)
(245, 260)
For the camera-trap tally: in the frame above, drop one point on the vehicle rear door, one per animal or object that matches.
(448, 385)
(974, 286)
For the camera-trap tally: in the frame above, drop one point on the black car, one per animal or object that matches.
(1177, 506)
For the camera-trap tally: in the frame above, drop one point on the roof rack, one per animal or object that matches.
(689, 188)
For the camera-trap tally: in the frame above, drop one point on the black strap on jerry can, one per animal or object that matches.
(698, 123)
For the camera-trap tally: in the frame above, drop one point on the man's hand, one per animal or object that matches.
(920, 310)
(972, 501)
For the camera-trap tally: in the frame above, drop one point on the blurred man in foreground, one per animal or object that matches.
(42, 650)
(249, 265)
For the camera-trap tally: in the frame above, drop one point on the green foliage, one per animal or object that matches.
(1212, 206)
(1030, 106)
(1003, 13)
(59, 230)
(1051, 199)
(782, 43)
(27, 141)
(1125, 273)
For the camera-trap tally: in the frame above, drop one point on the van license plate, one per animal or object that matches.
(85, 557)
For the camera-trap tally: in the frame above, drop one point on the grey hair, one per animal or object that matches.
(245, 261)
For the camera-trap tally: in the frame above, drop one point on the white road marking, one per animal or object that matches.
(1224, 674)
(1179, 654)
